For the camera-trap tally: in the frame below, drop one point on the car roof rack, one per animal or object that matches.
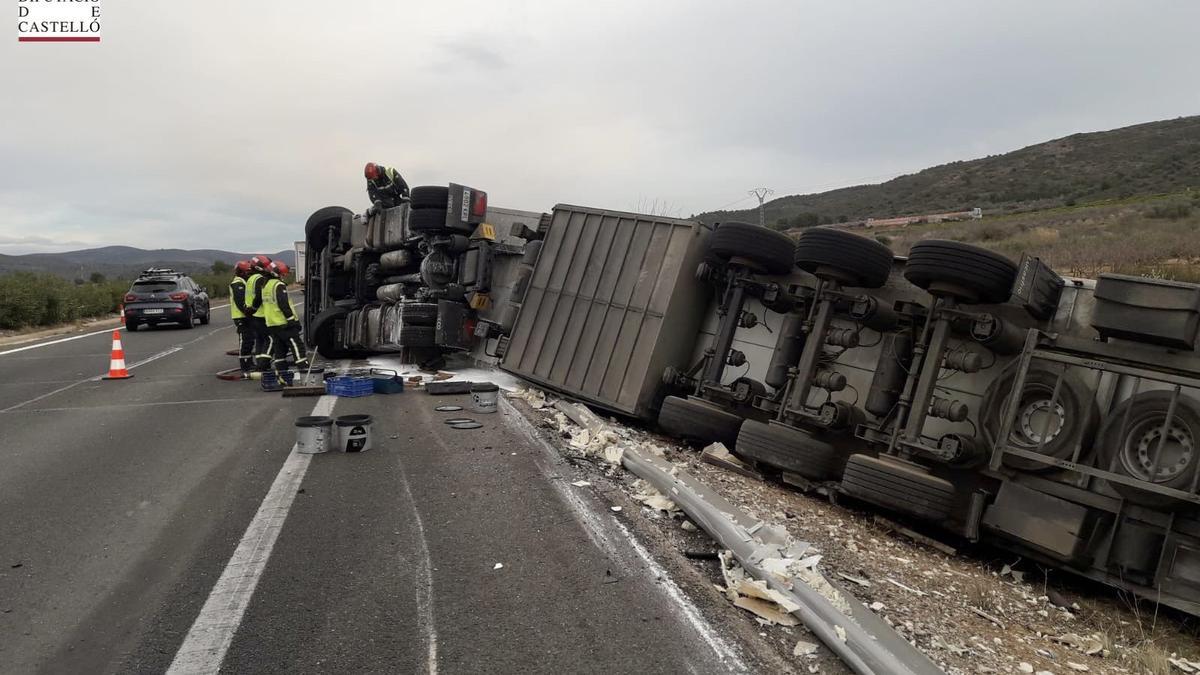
(159, 272)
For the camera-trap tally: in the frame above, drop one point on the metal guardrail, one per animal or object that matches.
(1042, 347)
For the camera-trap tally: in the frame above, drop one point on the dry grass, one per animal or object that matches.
(1157, 237)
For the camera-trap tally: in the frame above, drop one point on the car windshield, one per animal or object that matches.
(153, 286)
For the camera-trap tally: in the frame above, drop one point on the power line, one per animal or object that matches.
(762, 193)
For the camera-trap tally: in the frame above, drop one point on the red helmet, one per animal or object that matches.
(279, 269)
(371, 171)
(242, 268)
(259, 263)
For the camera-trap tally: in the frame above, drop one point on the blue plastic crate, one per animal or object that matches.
(349, 386)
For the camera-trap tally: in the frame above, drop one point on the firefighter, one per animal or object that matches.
(237, 308)
(254, 311)
(283, 324)
(385, 185)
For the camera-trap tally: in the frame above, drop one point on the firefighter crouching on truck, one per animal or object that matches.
(237, 308)
(282, 323)
(254, 311)
(385, 186)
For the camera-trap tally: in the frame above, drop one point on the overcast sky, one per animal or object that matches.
(223, 124)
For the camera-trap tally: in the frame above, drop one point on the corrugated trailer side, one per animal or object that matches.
(611, 303)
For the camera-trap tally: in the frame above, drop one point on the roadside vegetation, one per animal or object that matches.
(32, 299)
(1156, 236)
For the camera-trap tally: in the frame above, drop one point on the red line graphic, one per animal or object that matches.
(58, 39)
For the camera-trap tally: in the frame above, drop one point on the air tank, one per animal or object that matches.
(895, 360)
(788, 346)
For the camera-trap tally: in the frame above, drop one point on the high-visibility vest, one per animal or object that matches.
(249, 293)
(272, 312)
(237, 289)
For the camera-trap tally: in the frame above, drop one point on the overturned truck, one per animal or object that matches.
(994, 399)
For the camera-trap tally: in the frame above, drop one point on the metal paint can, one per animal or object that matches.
(484, 397)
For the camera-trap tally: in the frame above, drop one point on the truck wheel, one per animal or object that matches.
(898, 485)
(969, 273)
(418, 313)
(770, 251)
(848, 258)
(1072, 419)
(697, 420)
(790, 449)
(1132, 454)
(416, 336)
(317, 227)
(427, 220)
(430, 197)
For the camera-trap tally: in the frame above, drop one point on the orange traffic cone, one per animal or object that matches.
(116, 364)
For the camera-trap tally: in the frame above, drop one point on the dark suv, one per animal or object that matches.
(165, 296)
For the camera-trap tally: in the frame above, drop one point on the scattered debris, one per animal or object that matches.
(855, 580)
(498, 566)
(989, 617)
(1077, 666)
(910, 589)
(615, 509)
(688, 526)
(581, 483)
(803, 648)
(914, 535)
(718, 455)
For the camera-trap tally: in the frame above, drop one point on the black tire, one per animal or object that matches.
(418, 313)
(1132, 454)
(849, 258)
(427, 220)
(206, 318)
(1076, 413)
(770, 251)
(699, 421)
(131, 326)
(430, 197)
(790, 449)
(189, 320)
(416, 336)
(319, 223)
(900, 486)
(970, 273)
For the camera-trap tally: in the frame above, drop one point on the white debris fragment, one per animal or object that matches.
(877, 606)
(841, 632)
(1044, 672)
(1077, 666)
(646, 494)
(1025, 667)
(498, 566)
(1184, 665)
(688, 526)
(855, 580)
(1091, 645)
(615, 509)
(910, 589)
(614, 454)
(581, 483)
(803, 648)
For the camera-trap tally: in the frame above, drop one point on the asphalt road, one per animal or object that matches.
(144, 518)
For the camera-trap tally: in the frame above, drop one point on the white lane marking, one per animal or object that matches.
(424, 588)
(598, 531)
(77, 337)
(204, 648)
(95, 378)
(140, 404)
(56, 342)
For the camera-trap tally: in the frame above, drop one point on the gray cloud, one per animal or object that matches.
(223, 124)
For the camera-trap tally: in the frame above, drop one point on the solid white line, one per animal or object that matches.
(56, 342)
(96, 378)
(424, 589)
(204, 648)
(78, 337)
(143, 404)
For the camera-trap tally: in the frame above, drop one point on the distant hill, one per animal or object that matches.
(1152, 158)
(124, 261)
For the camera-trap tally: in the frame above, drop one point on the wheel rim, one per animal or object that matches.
(1141, 444)
(1038, 423)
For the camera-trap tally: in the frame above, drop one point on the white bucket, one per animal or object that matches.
(354, 433)
(484, 397)
(310, 378)
(314, 435)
